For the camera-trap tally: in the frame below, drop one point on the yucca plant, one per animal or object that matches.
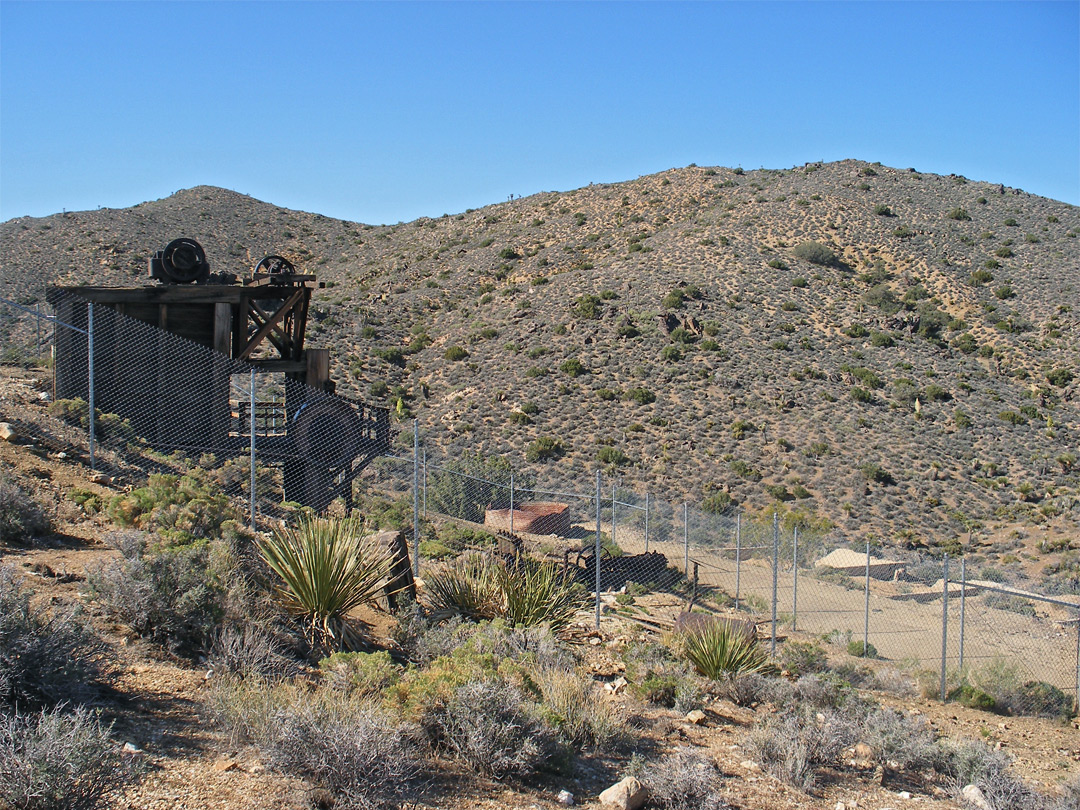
(524, 594)
(468, 587)
(328, 567)
(723, 650)
(538, 593)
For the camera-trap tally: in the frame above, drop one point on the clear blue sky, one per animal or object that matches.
(383, 112)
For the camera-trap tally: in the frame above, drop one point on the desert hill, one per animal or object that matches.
(891, 351)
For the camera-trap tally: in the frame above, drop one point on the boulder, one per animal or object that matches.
(627, 794)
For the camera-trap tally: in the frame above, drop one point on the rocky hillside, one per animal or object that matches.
(895, 352)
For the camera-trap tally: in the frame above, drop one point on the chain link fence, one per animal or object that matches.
(173, 407)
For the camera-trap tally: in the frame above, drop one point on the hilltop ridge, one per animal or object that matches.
(890, 351)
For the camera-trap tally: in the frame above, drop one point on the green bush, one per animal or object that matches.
(465, 486)
(455, 353)
(611, 455)
(641, 396)
(544, 448)
(882, 210)
(803, 657)
(958, 214)
(587, 306)
(327, 567)
(360, 673)
(856, 648)
(670, 354)
(182, 509)
(573, 368)
(815, 253)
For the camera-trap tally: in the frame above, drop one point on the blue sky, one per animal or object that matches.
(384, 112)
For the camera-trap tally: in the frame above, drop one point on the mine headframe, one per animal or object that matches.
(322, 440)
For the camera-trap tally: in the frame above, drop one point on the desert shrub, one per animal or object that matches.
(174, 596)
(543, 448)
(793, 744)
(724, 649)
(815, 253)
(360, 757)
(59, 759)
(860, 649)
(573, 368)
(491, 727)
(180, 508)
(45, 657)
(803, 657)
(455, 353)
(252, 652)
(109, 428)
(718, 503)
(861, 395)
(909, 742)
(587, 306)
(580, 716)
(1060, 377)
(974, 763)
(20, 518)
(882, 210)
(641, 396)
(958, 214)
(611, 455)
(327, 568)
(685, 780)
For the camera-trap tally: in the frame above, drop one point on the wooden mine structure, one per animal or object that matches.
(178, 395)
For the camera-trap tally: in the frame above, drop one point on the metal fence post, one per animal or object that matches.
(646, 522)
(597, 555)
(963, 592)
(795, 582)
(738, 555)
(416, 497)
(944, 622)
(775, 566)
(614, 487)
(90, 378)
(866, 608)
(424, 455)
(1078, 659)
(251, 442)
(511, 503)
(685, 544)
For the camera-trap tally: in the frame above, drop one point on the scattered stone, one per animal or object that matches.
(616, 686)
(61, 455)
(131, 748)
(224, 765)
(7, 432)
(565, 797)
(102, 480)
(257, 769)
(697, 717)
(975, 797)
(750, 765)
(594, 641)
(863, 752)
(904, 794)
(627, 794)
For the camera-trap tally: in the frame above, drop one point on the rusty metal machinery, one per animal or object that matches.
(183, 261)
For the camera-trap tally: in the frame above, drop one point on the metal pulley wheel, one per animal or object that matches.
(327, 432)
(183, 261)
(275, 266)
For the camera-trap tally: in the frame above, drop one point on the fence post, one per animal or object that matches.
(738, 555)
(511, 503)
(37, 340)
(775, 566)
(416, 496)
(597, 555)
(251, 443)
(963, 592)
(795, 582)
(90, 377)
(614, 487)
(646, 522)
(866, 608)
(424, 455)
(1078, 659)
(944, 622)
(685, 543)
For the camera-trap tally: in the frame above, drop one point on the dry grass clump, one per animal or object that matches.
(20, 517)
(685, 781)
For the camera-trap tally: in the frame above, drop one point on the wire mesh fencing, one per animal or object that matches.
(203, 422)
